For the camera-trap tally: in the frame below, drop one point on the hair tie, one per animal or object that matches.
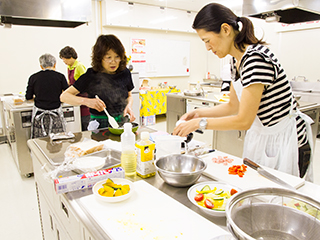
(238, 19)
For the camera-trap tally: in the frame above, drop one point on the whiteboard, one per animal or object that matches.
(164, 58)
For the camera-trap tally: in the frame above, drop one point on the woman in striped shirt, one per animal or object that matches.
(261, 100)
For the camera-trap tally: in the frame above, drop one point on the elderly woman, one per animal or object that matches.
(45, 87)
(109, 79)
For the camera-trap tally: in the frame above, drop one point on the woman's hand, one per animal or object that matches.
(184, 128)
(190, 115)
(95, 103)
(129, 111)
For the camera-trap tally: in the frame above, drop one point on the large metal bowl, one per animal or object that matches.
(180, 170)
(273, 213)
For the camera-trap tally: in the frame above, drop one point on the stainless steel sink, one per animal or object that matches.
(113, 158)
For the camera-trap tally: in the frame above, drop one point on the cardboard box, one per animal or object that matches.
(86, 180)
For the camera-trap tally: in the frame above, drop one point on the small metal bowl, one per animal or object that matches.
(180, 170)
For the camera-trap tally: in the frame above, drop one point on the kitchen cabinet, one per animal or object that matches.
(52, 228)
(223, 140)
(206, 136)
(176, 107)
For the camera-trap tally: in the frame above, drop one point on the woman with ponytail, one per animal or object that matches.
(261, 101)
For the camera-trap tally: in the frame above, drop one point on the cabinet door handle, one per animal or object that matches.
(239, 134)
(65, 209)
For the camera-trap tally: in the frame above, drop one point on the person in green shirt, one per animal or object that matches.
(75, 70)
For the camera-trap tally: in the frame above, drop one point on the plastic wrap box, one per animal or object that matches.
(86, 180)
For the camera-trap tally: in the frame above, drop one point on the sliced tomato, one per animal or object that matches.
(199, 197)
(233, 191)
(208, 203)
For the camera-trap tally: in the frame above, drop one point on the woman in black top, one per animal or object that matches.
(46, 87)
(109, 79)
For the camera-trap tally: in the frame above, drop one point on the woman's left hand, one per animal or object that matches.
(129, 111)
(184, 128)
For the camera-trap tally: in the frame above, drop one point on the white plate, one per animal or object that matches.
(89, 163)
(121, 181)
(192, 192)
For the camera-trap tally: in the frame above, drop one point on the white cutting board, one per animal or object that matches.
(251, 178)
(150, 214)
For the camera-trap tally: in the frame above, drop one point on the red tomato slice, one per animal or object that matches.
(233, 191)
(198, 197)
(208, 203)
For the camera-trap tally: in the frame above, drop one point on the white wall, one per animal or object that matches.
(21, 47)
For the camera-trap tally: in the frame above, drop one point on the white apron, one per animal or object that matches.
(276, 146)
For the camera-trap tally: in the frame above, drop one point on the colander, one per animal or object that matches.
(273, 214)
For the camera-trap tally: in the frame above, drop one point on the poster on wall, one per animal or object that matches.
(138, 55)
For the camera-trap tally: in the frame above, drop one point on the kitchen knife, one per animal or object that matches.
(266, 174)
(111, 120)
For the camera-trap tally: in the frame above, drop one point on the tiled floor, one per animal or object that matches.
(18, 202)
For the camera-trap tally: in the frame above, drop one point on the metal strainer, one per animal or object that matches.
(273, 214)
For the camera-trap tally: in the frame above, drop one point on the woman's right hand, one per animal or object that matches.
(95, 103)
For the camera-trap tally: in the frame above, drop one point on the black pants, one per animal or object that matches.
(304, 159)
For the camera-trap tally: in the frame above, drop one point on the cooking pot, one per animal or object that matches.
(119, 131)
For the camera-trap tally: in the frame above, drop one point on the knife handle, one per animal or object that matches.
(250, 163)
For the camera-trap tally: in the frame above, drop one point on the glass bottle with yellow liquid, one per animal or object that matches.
(128, 155)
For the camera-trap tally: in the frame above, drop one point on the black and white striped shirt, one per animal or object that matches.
(259, 65)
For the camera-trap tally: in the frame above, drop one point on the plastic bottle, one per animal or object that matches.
(128, 155)
(145, 156)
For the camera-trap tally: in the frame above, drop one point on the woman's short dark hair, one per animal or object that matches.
(103, 44)
(68, 52)
(212, 16)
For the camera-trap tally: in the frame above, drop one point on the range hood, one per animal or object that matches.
(285, 11)
(50, 13)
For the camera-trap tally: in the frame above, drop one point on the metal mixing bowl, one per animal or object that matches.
(273, 213)
(180, 170)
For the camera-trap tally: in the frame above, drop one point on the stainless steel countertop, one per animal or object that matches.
(25, 106)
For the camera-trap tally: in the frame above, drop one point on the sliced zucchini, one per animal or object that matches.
(218, 198)
(206, 188)
(219, 192)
